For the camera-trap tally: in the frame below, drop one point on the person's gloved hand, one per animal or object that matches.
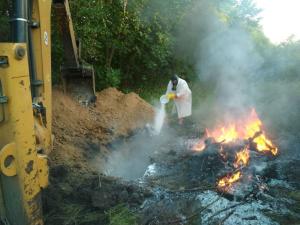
(171, 96)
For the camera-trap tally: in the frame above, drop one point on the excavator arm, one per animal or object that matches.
(78, 76)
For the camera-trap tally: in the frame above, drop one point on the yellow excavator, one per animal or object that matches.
(25, 103)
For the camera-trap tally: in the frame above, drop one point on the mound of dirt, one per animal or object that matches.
(81, 136)
(119, 114)
(114, 115)
(81, 133)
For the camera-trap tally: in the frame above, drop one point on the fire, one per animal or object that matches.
(242, 158)
(227, 181)
(224, 134)
(248, 130)
(252, 125)
(263, 144)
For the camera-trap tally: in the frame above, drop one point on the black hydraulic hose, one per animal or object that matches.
(19, 21)
(31, 56)
(21, 15)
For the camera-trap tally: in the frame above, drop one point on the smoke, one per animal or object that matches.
(226, 55)
(236, 78)
(238, 75)
(132, 157)
(229, 58)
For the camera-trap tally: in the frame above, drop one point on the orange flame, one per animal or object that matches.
(227, 181)
(250, 127)
(263, 144)
(224, 134)
(242, 158)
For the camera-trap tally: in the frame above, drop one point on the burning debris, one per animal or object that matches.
(236, 141)
(229, 179)
(246, 129)
(233, 178)
(227, 182)
(183, 195)
(242, 158)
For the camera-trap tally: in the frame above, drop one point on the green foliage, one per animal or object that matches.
(107, 77)
(56, 51)
(74, 214)
(137, 44)
(121, 215)
(242, 12)
(4, 20)
(127, 42)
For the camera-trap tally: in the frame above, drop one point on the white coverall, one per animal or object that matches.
(183, 102)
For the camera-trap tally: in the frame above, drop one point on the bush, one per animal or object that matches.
(107, 77)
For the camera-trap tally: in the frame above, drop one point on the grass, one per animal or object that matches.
(121, 215)
(74, 214)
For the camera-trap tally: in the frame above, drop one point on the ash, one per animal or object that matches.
(184, 186)
(185, 192)
(245, 214)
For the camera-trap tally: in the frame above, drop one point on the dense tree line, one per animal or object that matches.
(4, 20)
(128, 42)
(133, 43)
(140, 42)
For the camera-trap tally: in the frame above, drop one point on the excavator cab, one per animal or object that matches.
(77, 76)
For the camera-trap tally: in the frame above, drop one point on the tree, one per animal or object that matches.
(133, 43)
(4, 20)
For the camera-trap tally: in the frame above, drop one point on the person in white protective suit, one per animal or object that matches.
(179, 90)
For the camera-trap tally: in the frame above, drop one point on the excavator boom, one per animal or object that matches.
(78, 76)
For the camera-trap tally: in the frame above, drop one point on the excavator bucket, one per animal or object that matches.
(78, 76)
(80, 83)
